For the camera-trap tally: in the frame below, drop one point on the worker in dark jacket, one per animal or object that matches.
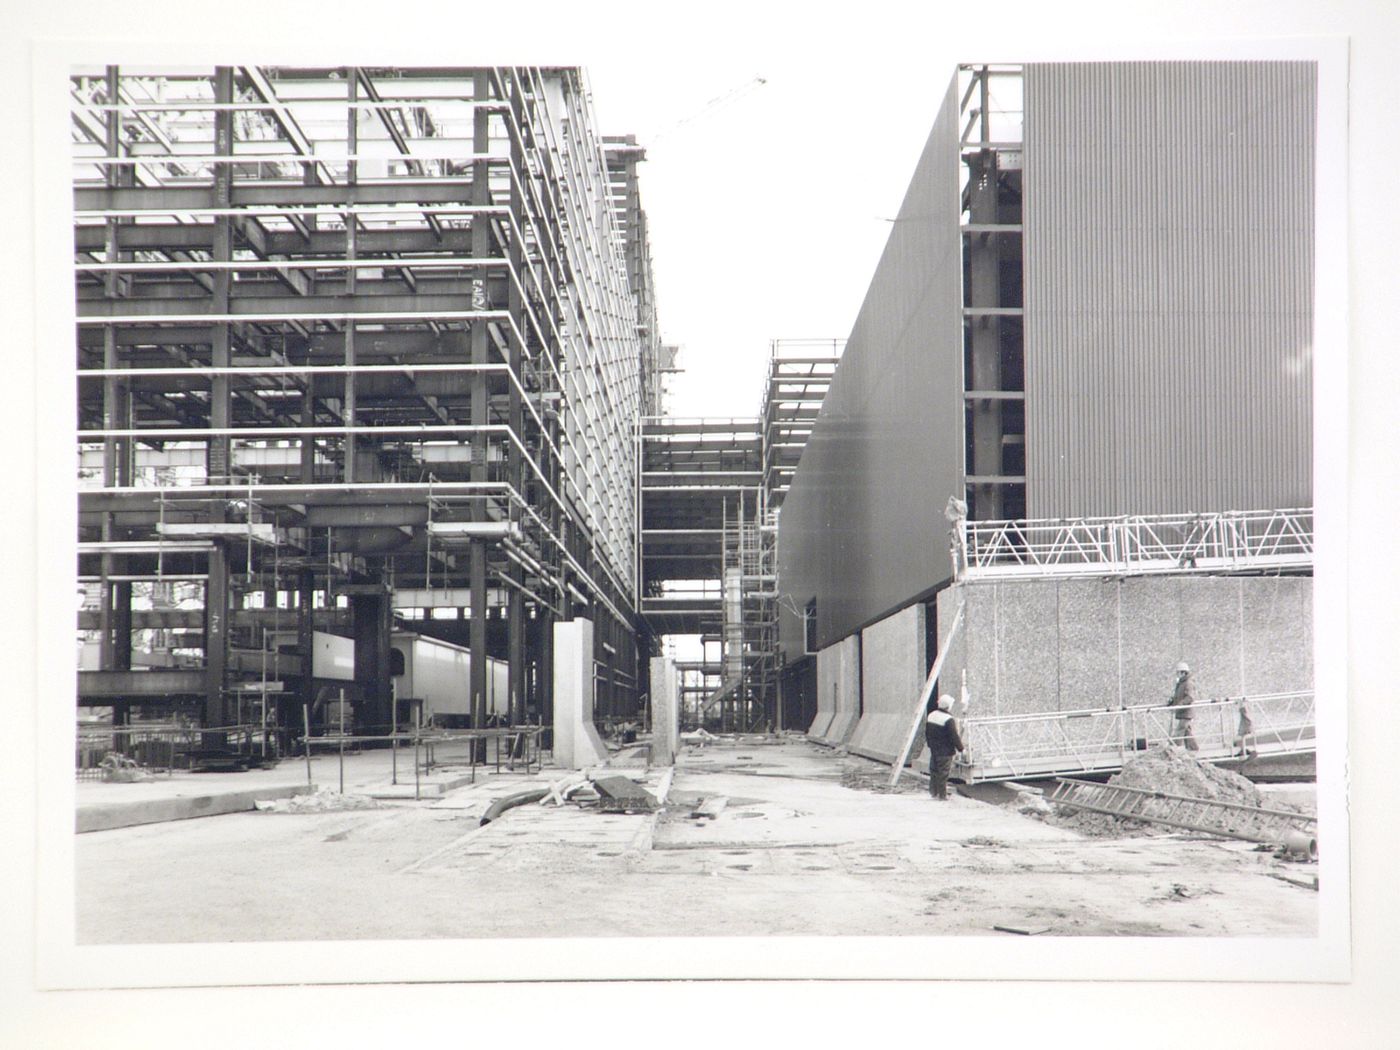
(1182, 701)
(941, 735)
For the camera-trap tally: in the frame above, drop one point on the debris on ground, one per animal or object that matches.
(618, 794)
(118, 769)
(1167, 768)
(321, 802)
(710, 807)
(560, 790)
(1025, 931)
(863, 775)
(698, 738)
(1307, 884)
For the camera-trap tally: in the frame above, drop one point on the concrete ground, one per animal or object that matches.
(807, 844)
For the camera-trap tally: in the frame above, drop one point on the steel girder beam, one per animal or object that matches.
(426, 306)
(163, 236)
(94, 685)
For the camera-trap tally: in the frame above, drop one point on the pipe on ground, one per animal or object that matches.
(521, 798)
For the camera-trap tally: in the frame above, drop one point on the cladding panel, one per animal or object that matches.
(862, 527)
(1168, 286)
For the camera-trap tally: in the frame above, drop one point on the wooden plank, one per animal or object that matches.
(710, 807)
(924, 694)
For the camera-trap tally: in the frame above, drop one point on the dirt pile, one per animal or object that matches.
(1171, 770)
(320, 802)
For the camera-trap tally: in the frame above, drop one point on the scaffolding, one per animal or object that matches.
(389, 314)
(711, 490)
(799, 375)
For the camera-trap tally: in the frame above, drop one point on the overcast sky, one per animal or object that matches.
(768, 209)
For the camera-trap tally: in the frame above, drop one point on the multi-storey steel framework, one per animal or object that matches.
(711, 491)
(353, 344)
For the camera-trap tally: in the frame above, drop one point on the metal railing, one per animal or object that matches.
(1013, 746)
(163, 748)
(1231, 541)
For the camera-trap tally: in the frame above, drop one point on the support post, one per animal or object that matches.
(924, 694)
(352, 136)
(215, 637)
(481, 248)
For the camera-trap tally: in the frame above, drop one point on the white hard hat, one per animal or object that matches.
(1184, 666)
(945, 702)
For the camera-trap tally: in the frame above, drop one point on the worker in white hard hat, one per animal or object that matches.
(1183, 697)
(941, 735)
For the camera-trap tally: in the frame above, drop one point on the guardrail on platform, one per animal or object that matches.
(1232, 541)
(1083, 741)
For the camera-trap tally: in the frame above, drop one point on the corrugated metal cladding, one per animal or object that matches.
(1168, 286)
(862, 528)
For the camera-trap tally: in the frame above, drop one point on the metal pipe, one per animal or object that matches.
(510, 802)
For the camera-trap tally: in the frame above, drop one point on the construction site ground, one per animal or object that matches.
(808, 842)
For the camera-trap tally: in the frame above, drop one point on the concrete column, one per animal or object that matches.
(576, 740)
(665, 712)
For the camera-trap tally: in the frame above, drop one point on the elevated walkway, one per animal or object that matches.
(1017, 747)
(1136, 545)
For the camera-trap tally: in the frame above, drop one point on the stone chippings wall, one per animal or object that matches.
(838, 692)
(892, 671)
(1064, 645)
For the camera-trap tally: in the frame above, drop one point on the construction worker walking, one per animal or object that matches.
(1183, 697)
(941, 735)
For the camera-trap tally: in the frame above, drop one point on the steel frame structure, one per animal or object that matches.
(389, 313)
(711, 489)
(993, 379)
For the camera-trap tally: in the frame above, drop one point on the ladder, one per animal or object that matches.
(1228, 819)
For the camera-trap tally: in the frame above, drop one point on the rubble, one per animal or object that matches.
(1166, 768)
(320, 802)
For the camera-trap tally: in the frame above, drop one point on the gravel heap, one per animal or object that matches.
(321, 802)
(1173, 770)
(1169, 769)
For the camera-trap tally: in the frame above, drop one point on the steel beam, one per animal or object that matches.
(99, 685)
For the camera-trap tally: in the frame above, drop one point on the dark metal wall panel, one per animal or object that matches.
(862, 527)
(1168, 286)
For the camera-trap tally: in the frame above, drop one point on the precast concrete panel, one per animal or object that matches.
(893, 667)
(1168, 282)
(576, 740)
(1085, 644)
(1149, 639)
(665, 712)
(1276, 658)
(838, 692)
(1087, 650)
(1026, 646)
(1212, 634)
(862, 526)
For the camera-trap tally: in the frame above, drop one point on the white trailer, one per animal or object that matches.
(439, 674)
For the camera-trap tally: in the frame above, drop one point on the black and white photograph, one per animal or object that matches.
(724, 501)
